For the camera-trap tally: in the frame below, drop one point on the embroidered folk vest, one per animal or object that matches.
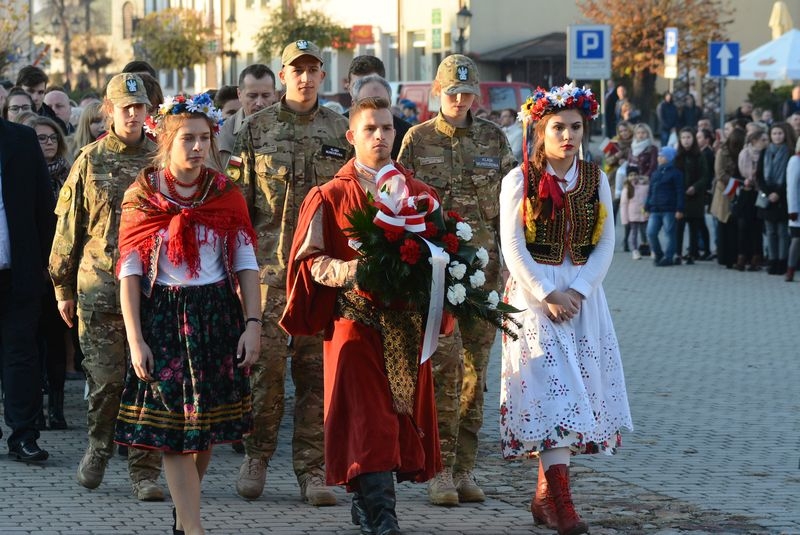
(572, 227)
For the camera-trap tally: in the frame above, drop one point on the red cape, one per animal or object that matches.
(363, 433)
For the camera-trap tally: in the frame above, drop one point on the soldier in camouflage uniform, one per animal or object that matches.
(287, 149)
(465, 159)
(82, 265)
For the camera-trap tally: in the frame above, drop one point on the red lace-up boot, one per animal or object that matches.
(569, 523)
(542, 506)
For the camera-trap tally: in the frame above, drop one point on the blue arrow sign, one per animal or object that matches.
(723, 59)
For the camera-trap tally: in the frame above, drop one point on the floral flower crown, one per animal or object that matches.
(543, 102)
(182, 103)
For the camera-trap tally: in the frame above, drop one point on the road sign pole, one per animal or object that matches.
(722, 104)
(603, 110)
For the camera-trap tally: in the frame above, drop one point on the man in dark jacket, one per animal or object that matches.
(667, 118)
(27, 223)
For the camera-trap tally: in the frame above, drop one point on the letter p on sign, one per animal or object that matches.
(590, 44)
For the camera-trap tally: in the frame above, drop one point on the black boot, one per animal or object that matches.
(377, 490)
(55, 409)
(359, 516)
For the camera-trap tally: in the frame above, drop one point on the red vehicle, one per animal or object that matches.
(494, 96)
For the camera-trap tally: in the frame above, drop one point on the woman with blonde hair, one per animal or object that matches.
(186, 247)
(562, 388)
(91, 125)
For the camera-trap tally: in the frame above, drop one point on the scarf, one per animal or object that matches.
(638, 146)
(776, 158)
(146, 211)
(58, 170)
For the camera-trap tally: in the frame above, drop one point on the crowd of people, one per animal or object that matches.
(744, 177)
(188, 238)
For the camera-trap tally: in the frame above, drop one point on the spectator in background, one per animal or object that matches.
(767, 118)
(644, 152)
(140, 67)
(750, 240)
(705, 140)
(632, 212)
(615, 155)
(513, 131)
(744, 112)
(793, 202)
(410, 112)
(256, 91)
(771, 178)
(227, 101)
(792, 104)
(622, 98)
(3, 96)
(33, 81)
(17, 103)
(667, 114)
(665, 202)
(629, 112)
(59, 103)
(88, 98)
(689, 114)
(794, 122)
(726, 168)
(696, 176)
(363, 66)
(52, 331)
(91, 125)
(610, 109)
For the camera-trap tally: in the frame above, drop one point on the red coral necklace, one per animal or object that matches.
(170, 180)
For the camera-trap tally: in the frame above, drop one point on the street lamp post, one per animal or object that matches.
(230, 27)
(462, 23)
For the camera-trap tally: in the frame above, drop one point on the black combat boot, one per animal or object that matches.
(55, 409)
(377, 490)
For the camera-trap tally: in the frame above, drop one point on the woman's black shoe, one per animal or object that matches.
(175, 530)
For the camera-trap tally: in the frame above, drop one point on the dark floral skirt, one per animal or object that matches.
(199, 397)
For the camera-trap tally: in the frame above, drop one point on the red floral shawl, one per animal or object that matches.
(146, 211)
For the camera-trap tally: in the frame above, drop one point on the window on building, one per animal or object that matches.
(127, 20)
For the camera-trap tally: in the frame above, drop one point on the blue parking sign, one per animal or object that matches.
(589, 44)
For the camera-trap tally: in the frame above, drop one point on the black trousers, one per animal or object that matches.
(19, 356)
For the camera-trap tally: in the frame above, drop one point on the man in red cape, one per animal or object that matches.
(366, 436)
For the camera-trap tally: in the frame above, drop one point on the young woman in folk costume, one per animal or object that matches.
(562, 384)
(186, 244)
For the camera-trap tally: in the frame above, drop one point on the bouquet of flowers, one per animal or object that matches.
(403, 240)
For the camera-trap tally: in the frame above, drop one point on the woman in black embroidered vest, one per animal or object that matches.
(562, 387)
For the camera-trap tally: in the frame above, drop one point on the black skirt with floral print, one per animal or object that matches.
(200, 397)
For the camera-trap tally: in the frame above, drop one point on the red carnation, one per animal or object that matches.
(452, 214)
(407, 210)
(392, 235)
(410, 252)
(430, 230)
(450, 242)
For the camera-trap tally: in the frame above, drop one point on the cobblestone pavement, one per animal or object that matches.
(711, 363)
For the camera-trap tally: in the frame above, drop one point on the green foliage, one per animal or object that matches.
(285, 27)
(763, 96)
(13, 22)
(174, 39)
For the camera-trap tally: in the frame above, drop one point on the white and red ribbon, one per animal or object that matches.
(392, 198)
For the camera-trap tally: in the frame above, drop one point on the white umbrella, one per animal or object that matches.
(778, 59)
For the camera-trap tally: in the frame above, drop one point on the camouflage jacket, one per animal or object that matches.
(84, 254)
(465, 165)
(285, 154)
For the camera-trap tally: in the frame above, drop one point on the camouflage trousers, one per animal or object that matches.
(459, 376)
(105, 362)
(267, 379)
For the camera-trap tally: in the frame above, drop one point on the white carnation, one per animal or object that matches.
(477, 279)
(457, 270)
(483, 256)
(463, 230)
(493, 299)
(456, 294)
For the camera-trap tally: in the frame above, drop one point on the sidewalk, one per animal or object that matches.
(711, 365)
